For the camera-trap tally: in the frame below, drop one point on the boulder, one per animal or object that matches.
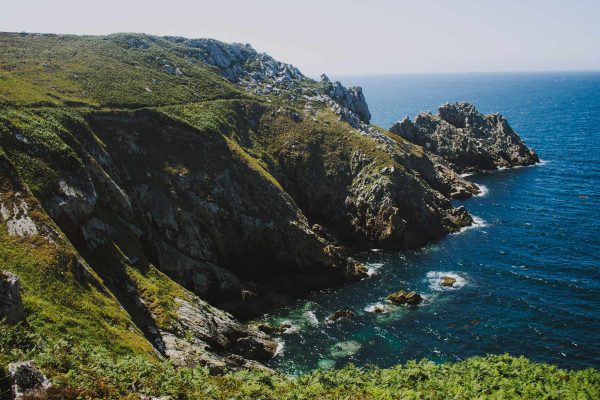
(404, 297)
(11, 306)
(26, 378)
(340, 314)
(447, 281)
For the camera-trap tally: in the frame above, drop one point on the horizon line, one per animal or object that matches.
(343, 74)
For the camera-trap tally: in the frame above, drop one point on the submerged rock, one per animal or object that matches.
(404, 297)
(11, 307)
(467, 139)
(345, 349)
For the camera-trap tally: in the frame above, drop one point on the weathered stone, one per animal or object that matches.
(404, 297)
(351, 98)
(340, 314)
(25, 378)
(447, 281)
(11, 307)
(467, 139)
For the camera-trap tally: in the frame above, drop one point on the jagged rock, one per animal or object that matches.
(404, 297)
(351, 98)
(447, 281)
(210, 337)
(26, 378)
(11, 307)
(340, 314)
(467, 139)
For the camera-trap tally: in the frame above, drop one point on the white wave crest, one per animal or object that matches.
(280, 347)
(373, 268)
(477, 223)
(483, 190)
(435, 281)
(381, 306)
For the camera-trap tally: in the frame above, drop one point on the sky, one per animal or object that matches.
(349, 37)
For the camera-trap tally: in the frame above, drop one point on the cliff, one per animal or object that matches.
(467, 139)
(157, 190)
(169, 179)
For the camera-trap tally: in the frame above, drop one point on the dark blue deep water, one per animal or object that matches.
(528, 275)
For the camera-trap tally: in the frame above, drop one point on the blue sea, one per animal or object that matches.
(528, 274)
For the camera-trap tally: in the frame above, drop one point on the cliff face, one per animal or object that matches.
(467, 139)
(170, 179)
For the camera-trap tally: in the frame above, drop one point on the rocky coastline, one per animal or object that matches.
(250, 185)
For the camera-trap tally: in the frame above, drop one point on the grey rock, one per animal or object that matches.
(351, 98)
(137, 43)
(11, 306)
(468, 140)
(207, 336)
(172, 70)
(25, 378)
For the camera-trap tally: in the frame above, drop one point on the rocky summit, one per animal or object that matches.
(467, 139)
(156, 192)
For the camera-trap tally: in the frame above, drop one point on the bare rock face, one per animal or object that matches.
(26, 378)
(207, 336)
(351, 98)
(468, 140)
(11, 307)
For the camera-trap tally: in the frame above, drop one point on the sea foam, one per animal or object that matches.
(435, 281)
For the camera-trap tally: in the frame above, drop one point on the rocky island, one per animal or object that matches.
(158, 192)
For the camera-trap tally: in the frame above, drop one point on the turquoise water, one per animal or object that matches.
(528, 274)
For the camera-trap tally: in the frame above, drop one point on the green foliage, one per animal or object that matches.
(103, 71)
(104, 375)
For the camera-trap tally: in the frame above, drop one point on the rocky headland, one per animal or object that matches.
(176, 187)
(468, 140)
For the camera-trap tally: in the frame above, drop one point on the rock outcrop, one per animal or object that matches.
(207, 336)
(340, 314)
(351, 98)
(468, 140)
(11, 306)
(26, 378)
(405, 298)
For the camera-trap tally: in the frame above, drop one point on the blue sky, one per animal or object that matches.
(348, 36)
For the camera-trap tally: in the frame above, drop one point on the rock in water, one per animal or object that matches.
(467, 139)
(404, 297)
(345, 349)
(11, 307)
(447, 281)
(340, 314)
(26, 378)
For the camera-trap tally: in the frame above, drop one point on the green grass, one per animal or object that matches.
(103, 71)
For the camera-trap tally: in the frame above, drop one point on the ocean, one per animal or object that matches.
(528, 273)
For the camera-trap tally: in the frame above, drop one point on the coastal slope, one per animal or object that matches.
(157, 190)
